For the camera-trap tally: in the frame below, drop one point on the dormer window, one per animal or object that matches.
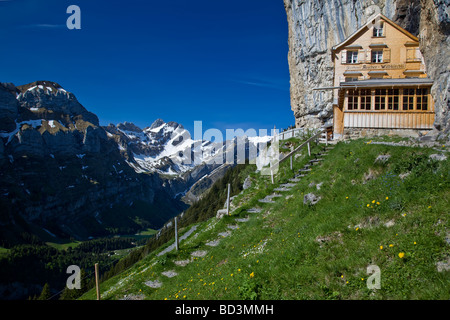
(378, 30)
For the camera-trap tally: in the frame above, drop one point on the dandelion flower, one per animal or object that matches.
(373, 201)
(357, 229)
(415, 242)
(252, 275)
(381, 247)
(378, 203)
(401, 255)
(346, 197)
(368, 205)
(391, 245)
(387, 198)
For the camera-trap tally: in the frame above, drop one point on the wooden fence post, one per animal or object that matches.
(309, 150)
(228, 199)
(176, 235)
(292, 149)
(97, 281)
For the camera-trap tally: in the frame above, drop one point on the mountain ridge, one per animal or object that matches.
(62, 171)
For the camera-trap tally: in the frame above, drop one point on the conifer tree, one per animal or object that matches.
(45, 293)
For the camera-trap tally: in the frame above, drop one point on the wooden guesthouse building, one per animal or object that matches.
(380, 81)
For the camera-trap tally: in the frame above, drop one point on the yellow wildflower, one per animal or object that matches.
(373, 201)
(381, 247)
(401, 255)
(252, 275)
(391, 245)
(387, 198)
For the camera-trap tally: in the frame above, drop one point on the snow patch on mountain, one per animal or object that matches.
(167, 148)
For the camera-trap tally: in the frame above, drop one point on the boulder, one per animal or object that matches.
(311, 199)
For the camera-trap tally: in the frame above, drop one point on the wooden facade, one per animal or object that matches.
(380, 80)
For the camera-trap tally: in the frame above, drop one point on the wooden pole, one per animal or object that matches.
(309, 150)
(292, 149)
(271, 175)
(228, 199)
(97, 281)
(176, 235)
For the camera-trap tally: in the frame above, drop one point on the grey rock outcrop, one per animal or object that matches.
(61, 171)
(8, 107)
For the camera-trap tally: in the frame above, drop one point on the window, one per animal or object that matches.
(366, 99)
(352, 56)
(380, 99)
(422, 99)
(393, 99)
(377, 56)
(352, 97)
(408, 99)
(348, 79)
(378, 30)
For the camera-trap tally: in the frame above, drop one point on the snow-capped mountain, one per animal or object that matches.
(167, 148)
(61, 170)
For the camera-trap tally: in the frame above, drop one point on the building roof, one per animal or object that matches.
(387, 83)
(368, 24)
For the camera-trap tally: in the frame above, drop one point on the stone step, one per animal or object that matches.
(265, 200)
(169, 273)
(287, 185)
(242, 219)
(295, 180)
(282, 189)
(213, 243)
(154, 284)
(182, 263)
(199, 253)
(225, 234)
(254, 210)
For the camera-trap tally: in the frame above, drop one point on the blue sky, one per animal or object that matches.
(220, 62)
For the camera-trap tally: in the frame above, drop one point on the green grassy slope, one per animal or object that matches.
(367, 215)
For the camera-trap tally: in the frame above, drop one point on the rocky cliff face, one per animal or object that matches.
(316, 26)
(62, 172)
